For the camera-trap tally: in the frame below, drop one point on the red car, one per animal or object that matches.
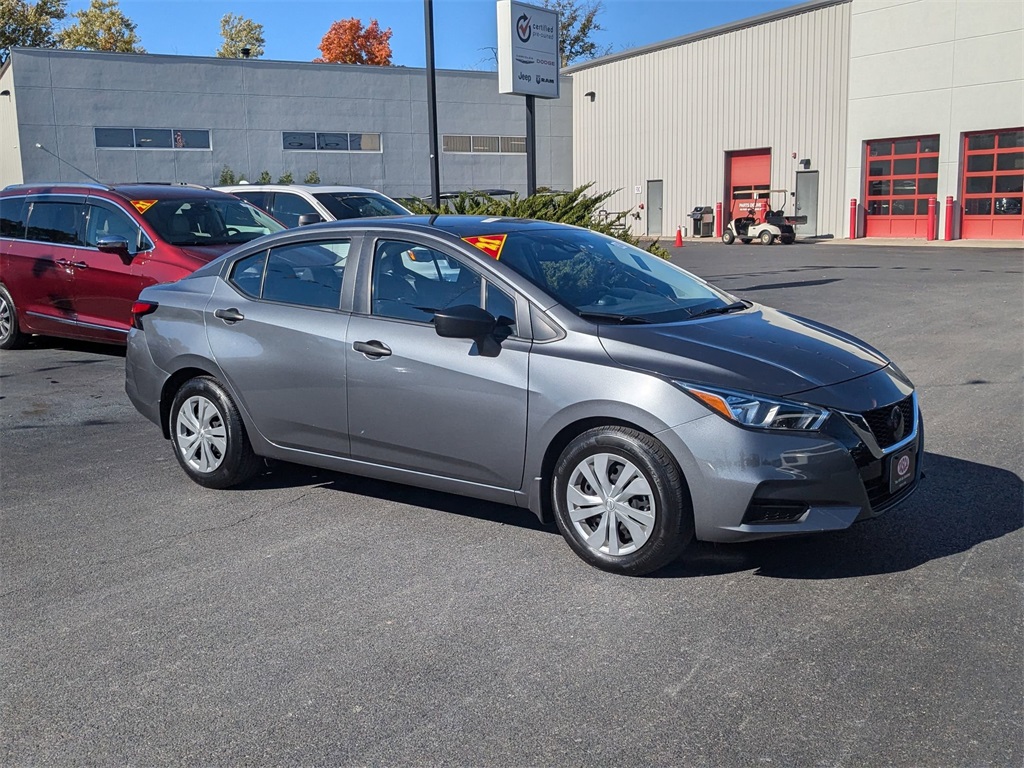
(74, 257)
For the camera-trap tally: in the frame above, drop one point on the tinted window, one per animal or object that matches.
(288, 207)
(54, 222)
(259, 199)
(247, 274)
(299, 140)
(354, 205)
(332, 141)
(185, 139)
(115, 137)
(307, 273)
(12, 217)
(152, 138)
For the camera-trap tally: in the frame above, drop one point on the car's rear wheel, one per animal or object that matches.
(11, 336)
(746, 240)
(620, 501)
(766, 238)
(208, 435)
(787, 239)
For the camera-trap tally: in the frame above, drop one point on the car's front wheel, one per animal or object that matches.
(208, 435)
(767, 238)
(620, 501)
(11, 336)
(728, 237)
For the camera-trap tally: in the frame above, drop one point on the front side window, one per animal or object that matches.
(412, 281)
(106, 222)
(55, 222)
(605, 279)
(12, 217)
(212, 221)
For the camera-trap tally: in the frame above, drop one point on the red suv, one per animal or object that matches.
(74, 257)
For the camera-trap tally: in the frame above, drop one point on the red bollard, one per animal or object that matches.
(853, 218)
(718, 219)
(932, 221)
(948, 235)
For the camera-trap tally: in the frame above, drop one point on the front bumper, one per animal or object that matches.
(747, 484)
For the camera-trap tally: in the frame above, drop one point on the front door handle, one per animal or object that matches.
(372, 348)
(231, 315)
(79, 265)
(62, 262)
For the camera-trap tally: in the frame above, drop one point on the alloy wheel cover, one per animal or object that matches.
(611, 504)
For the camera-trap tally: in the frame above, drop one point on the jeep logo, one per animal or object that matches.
(526, 77)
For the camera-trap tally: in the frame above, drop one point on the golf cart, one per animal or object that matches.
(761, 222)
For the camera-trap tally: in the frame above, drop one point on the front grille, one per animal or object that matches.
(880, 422)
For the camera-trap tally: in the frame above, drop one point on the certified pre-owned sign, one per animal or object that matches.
(527, 50)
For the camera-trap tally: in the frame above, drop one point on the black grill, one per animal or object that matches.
(879, 420)
(771, 511)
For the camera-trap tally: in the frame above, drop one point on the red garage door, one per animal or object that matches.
(746, 170)
(902, 175)
(993, 185)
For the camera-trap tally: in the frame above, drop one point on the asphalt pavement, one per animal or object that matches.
(316, 618)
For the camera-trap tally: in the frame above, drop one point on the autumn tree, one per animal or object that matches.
(348, 42)
(29, 24)
(101, 27)
(238, 33)
(577, 23)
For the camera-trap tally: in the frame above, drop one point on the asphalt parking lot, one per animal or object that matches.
(316, 618)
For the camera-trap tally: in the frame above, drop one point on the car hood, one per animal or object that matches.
(205, 253)
(757, 350)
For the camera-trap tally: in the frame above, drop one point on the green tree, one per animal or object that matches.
(101, 27)
(286, 178)
(312, 178)
(238, 33)
(227, 176)
(263, 178)
(29, 24)
(577, 23)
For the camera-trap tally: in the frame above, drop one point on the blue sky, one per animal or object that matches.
(464, 30)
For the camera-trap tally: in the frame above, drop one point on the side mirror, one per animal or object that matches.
(114, 244)
(464, 321)
(310, 218)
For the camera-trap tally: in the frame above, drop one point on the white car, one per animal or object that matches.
(297, 204)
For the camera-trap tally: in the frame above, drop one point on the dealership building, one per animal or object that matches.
(868, 118)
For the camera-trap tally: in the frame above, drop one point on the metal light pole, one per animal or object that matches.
(435, 174)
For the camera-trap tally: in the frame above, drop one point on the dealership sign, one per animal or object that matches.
(527, 50)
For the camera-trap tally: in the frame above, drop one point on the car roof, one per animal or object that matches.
(460, 226)
(310, 188)
(137, 191)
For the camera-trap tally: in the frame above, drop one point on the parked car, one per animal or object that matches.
(550, 367)
(297, 204)
(74, 257)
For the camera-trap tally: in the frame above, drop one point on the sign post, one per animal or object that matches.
(528, 64)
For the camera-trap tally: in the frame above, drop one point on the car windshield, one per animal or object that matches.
(209, 221)
(607, 280)
(355, 205)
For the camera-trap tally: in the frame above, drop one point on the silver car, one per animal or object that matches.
(545, 366)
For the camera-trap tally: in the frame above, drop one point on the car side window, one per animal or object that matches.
(259, 199)
(12, 217)
(411, 281)
(288, 207)
(55, 222)
(247, 274)
(308, 274)
(105, 222)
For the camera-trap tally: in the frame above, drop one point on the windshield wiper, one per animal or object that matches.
(735, 306)
(624, 319)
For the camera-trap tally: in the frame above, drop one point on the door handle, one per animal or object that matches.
(79, 265)
(231, 315)
(372, 348)
(62, 262)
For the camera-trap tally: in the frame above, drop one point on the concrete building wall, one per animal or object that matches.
(673, 111)
(10, 153)
(247, 105)
(926, 67)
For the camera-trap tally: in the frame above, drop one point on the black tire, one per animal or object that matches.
(659, 523)
(745, 240)
(11, 336)
(222, 456)
(728, 237)
(766, 238)
(787, 239)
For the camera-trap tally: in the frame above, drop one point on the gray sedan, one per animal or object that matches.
(528, 363)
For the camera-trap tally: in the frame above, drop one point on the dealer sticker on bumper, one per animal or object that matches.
(901, 469)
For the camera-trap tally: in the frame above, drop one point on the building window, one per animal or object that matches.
(483, 144)
(331, 141)
(152, 138)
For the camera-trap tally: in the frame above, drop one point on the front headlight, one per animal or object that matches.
(758, 411)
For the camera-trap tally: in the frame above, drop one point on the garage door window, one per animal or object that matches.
(901, 175)
(993, 183)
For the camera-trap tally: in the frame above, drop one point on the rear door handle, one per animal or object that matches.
(79, 265)
(231, 315)
(372, 348)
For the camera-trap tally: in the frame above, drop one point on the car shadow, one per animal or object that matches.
(75, 345)
(958, 505)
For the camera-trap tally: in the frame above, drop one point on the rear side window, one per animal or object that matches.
(12, 217)
(306, 274)
(55, 222)
(288, 207)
